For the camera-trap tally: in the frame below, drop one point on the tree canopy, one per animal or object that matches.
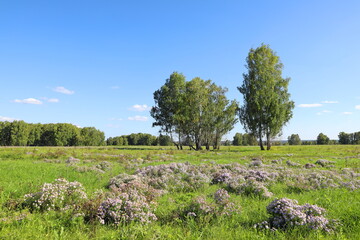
(20, 133)
(322, 139)
(294, 139)
(266, 102)
(194, 112)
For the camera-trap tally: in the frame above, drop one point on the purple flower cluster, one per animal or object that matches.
(250, 187)
(286, 213)
(221, 196)
(175, 176)
(59, 195)
(72, 160)
(221, 177)
(324, 162)
(221, 206)
(126, 207)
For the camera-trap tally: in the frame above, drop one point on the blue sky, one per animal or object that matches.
(97, 63)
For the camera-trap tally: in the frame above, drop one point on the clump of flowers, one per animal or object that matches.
(261, 176)
(276, 161)
(72, 160)
(309, 165)
(221, 196)
(250, 187)
(324, 162)
(221, 177)
(224, 205)
(316, 180)
(175, 176)
(286, 213)
(59, 195)
(122, 178)
(126, 207)
(292, 164)
(255, 163)
(220, 206)
(104, 166)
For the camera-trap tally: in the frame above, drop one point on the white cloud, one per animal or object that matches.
(347, 113)
(63, 90)
(28, 101)
(357, 107)
(115, 87)
(309, 105)
(8, 119)
(324, 111)
(140, 108)
(327, 102)
(53, 100)
(138, 118)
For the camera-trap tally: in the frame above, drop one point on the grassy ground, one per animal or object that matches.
(25, 170)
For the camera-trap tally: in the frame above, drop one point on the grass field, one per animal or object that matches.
(172, 194)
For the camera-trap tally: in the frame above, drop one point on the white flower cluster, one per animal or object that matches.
(59, 195)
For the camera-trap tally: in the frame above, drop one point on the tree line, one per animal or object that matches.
(20, 133)
(322, 139)
(139, 139)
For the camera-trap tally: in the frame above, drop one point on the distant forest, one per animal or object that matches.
(20, 133)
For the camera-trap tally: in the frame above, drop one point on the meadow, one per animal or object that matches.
(300, 192)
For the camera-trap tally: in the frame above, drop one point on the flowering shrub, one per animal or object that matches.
(286, 213)
(250, 187)
(221, 205)
(292, 164)
(72, 160)
(316, 180)
(104, 166)
(175, 176)
(221, 196)
(126, 207)
(255, 163)
(261, 176)
(121, 179)
(309, 165)
(221, 177)
(59, 195)
(324, 162)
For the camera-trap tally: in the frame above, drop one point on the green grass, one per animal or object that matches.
(24, 170)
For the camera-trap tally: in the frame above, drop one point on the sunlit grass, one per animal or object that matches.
(24, 170)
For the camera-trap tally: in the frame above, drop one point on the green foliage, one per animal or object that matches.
(133, 139)
(267, 106)
(294, 139)
(196, 110)
(322, 139)
(244, 140)
(238, 139)
(20, 133)
(168, 104)
(349, 138)
(164, 140)
(91, 136)
(5, 133)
